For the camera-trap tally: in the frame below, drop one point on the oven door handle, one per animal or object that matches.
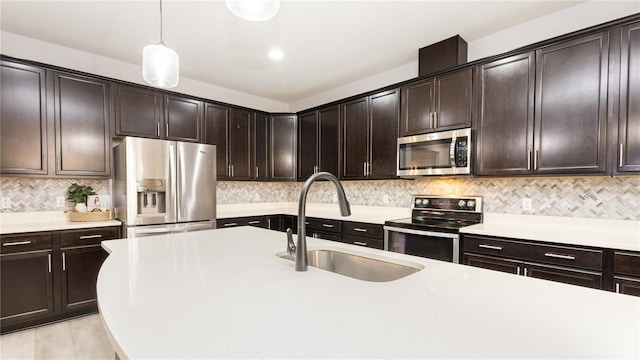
(421, 232)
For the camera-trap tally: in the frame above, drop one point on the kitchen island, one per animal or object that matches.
(225, 294)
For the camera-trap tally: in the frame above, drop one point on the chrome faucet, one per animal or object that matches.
(299, 250)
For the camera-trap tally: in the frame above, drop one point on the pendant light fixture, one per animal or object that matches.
(160, 66)
(254, 10)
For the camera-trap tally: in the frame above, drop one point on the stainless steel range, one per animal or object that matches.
(433, 229)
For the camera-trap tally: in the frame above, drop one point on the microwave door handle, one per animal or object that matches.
(452, 152)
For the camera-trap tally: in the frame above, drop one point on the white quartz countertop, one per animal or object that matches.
(359, 213)
(613, 234)
(13, 223)
(224, 294)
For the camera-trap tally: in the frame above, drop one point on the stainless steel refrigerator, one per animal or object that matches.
(164, 186)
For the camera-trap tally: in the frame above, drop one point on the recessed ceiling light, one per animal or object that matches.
(276, 54)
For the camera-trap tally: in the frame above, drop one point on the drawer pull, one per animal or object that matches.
(491, 247)
(254, 222)
(618, 288)
(85, 237)
(560, 256)
(230, 224)
(360, 243)
(518, 270)
(360, 230)
(17, 243)
(327, 225)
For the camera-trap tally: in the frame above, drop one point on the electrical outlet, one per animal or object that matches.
(5, 202)
(60, 201)
(527, 204)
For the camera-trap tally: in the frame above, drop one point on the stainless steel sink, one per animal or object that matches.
(359, 266)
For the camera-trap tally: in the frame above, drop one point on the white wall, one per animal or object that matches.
(22, 47)
(571, 19)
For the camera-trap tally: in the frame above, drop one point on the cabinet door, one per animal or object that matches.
(505, 121)
(240, 151)
(355, 138)
(564, 275)
(80, 268)
(83, 139)
(363, 241)
(492, 263)
(453, 100)
(216, 121)
(26, 286)
(261, 139)
(138, 111)
(329, 139)
(384, 135)
(183, 118)
(307, 144)
(274, 222)
(629, 126)
(23, 119)
(282, 133)
(627, 285)
(417, 106)
(571, 106)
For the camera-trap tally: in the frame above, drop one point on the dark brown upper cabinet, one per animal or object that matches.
(149, 113)
(231, 130)
(282, 147)
(628, 146)
(139, 112)
(23, 119)
(571, 106)
(440, 103)
(505, 116)
(183, 118)
(369, 136)
(262, 152)
(216, 123)
(81, 113)
(318, 142)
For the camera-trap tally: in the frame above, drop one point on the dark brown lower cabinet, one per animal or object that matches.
(626, 269)
(492, 263)
(49, 276)
(626, 285)
(564, 275)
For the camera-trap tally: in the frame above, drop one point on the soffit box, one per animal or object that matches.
(442, 55)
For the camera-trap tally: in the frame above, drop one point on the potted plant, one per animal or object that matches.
(78, 194)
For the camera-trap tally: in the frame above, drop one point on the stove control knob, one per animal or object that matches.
(471, 203)
(418, 201)
(461, 203)
(425, 201)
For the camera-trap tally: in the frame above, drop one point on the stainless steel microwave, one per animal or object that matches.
(439, 153)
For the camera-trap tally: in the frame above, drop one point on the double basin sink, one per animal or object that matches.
(358, 266)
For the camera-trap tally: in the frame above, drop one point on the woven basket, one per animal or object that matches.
(76, 216)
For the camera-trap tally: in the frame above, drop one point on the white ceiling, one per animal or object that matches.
(326, 43)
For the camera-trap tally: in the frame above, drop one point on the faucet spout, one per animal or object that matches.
(302, 262)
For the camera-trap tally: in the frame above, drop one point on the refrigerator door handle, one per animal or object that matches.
(180, 175)
(171, 198)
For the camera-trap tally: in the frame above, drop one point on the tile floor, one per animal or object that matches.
(80, 338)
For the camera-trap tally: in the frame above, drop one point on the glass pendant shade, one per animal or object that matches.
(254, 10)
(160, 66)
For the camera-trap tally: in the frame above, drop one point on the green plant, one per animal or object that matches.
(78, 193)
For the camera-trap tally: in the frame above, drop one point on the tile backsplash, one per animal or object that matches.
(586, 197)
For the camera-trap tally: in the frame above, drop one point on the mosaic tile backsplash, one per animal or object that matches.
(586, 197)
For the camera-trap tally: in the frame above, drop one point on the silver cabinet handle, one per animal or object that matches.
(166, 129)
(254, 222)
(431, 122)
(535, 160)
(158, 129)
(529, 160)
(327, 225)
(518, 270)
(364, 168)
(257, 172)
(17, 243)
(368, 169)
(85, 237)
(618, 287)
(360, 243)
(269, 223)
(560, 256)
(359, 230)
(621, 154)
(435, 120)
(64, 261)
(232, 170)
(230, 224)
(49, 258)
(525, 271)
(492, 247)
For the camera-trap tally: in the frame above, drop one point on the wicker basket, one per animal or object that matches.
(76, 216)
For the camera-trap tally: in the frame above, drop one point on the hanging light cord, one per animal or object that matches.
(161, 41)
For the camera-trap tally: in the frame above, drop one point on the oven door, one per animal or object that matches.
(428, 244)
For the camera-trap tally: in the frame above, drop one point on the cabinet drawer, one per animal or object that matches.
(626, 263)
(257, 221)
(324, 224)
(564, 275)
(25, 242)
(363, 241)
(550, 254)
(324, 235)
(363, 229)
(90, 236)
